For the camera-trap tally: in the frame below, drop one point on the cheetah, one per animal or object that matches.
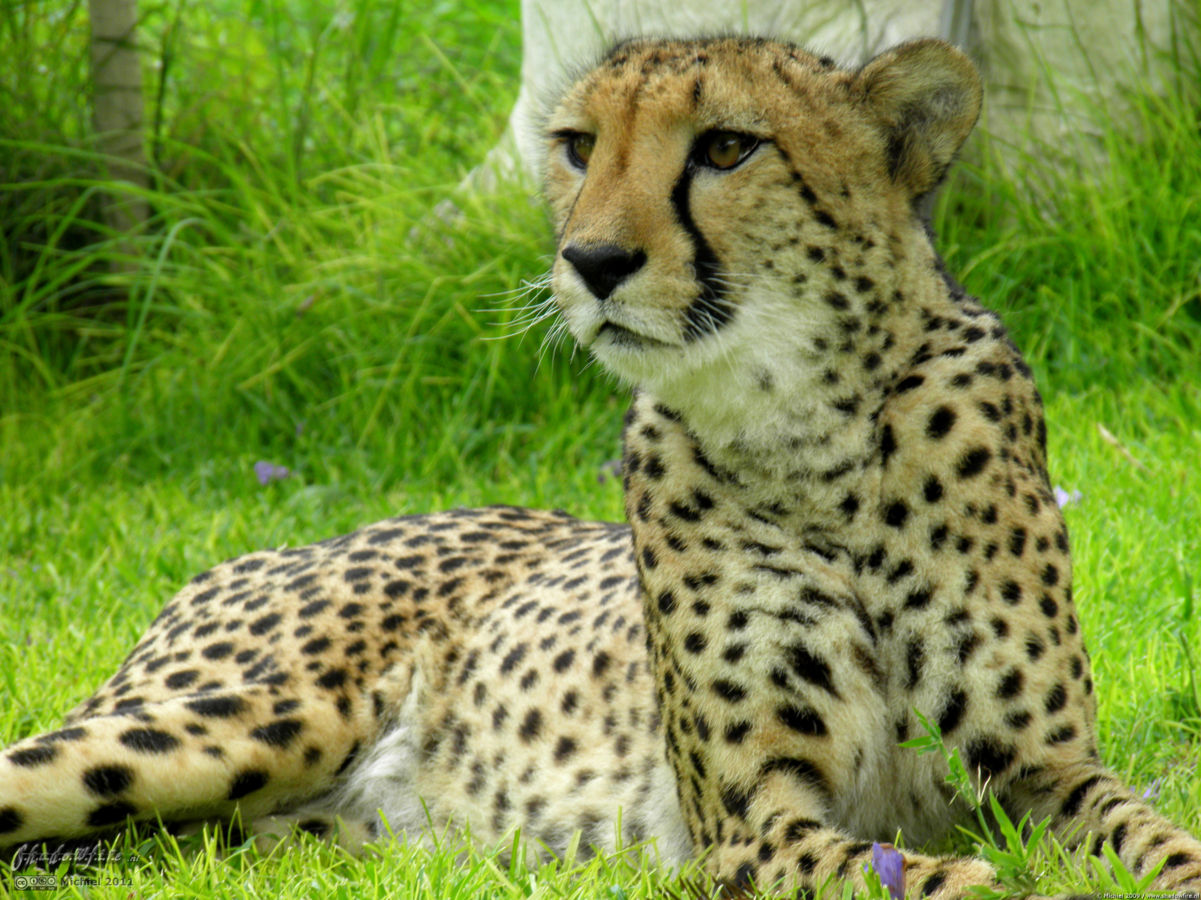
(839, 519)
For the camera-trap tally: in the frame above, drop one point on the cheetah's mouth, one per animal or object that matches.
(620, 336)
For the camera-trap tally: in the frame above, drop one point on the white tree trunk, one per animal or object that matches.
(117, 109)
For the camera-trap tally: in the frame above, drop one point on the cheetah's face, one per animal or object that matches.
(696, 191)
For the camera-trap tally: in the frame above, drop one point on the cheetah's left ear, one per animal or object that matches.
(925, 96)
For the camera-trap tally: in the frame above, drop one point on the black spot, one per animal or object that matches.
(888, 444)
(531, 726)
(316, 827)
(932, 490)
(729, 691)
(797, 829)
(972, 463)
(265, 624)
(744, 878)
(1034, 648)
(666, 602)
(909, 383)
(896, 513)
(952, 714)
(311, 609)
(1010, 686)
(279, 733)
(837, 300)
(63, 734)
(1118, 837)
(933, 883)
(849, 505)
(736, 731)
(811, 668)
(332, 678)
(1056, 700)
(801, 769)
(110, 814)
(989, 757)
(106, 781)
(565, 748)
(600, 663)
(1011, 592)
(563, 660)
(915, 656)
(512, 658)
(1050, 575)
(10, 819)
(219, 650)
(649, 560)
(1018, 720)
(1071, 803)
(919, 598)
(1062, 736)
(347, 761)
(940, 422)
(1017, 541)
(33, 756)
(247, 782)
(695, 642)
(148, 740)
(216, 707)
(803, 720)
(736, 802)
(847, 405)
(966, 647)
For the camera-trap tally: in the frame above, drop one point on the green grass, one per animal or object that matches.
(292, 300)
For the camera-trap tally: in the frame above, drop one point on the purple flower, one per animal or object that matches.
(889, 865)
(1152, 791)
(267, 472)
(1066, 498)
(610, 469)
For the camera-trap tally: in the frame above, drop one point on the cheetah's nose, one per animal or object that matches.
(603, 266)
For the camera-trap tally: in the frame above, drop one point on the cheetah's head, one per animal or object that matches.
(719, 203)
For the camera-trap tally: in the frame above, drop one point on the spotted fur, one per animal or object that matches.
(839, 516)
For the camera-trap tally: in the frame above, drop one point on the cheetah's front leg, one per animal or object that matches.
(777, 727)
(784, 845)
(1084, 801)
(766, 785)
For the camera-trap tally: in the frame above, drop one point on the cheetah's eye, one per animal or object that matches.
(579, 148)
(724, 149)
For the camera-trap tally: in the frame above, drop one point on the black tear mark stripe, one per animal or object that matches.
(711, 310)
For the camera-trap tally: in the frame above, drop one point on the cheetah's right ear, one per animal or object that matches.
(925, 95)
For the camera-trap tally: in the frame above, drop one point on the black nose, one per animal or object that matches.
(603, 266)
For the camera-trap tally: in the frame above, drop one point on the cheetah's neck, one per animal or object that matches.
(786, 408)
